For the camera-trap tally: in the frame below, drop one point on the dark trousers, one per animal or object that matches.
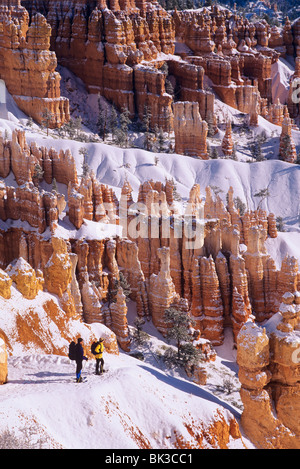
(99, 362)
(78, 368)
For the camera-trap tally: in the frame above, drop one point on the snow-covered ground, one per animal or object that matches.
(133, 405)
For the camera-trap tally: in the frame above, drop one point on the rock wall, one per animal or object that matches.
(3, 362)
(190, 130)
(268, 360)
(287, 148)
(28, 67)
(114, 48)
(203, 245)
(104, 44)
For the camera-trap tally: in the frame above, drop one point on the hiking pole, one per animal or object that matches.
(83, 366)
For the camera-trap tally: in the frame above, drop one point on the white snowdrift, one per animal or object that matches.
(133, 405)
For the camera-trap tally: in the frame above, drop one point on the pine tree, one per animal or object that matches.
(102, 122)
(73, 127)
(77, 126)
(213, 153)
(139, 335)
(262, 194)
(47, 118)
(113, 122)
(122, 132)
(85, 167)
(54, 186)
(178, 331)
(146, 125)
(38, 174)
(161, 141)
(240, 206)
(256, 151)
(280, 224)
(30, 122)
(287, 149)
(123, 283)
(234, 155)
(179, 322)
(169, 87)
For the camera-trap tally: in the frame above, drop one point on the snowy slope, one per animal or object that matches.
(133, 405)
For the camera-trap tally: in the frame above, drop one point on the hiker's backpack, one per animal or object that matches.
(93, 347)
(72, 351)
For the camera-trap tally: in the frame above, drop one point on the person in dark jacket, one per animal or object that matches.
(79, 359)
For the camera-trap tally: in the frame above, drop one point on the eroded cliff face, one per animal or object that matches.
(28, 66)
(127, 50)
(191, 260)
(268, 361)
(206, 273)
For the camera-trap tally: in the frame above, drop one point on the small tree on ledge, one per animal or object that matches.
(186, 353)
(47, 118)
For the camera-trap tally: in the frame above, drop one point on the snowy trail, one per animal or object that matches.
(132, 405)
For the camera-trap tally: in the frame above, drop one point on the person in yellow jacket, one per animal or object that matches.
(99, 357)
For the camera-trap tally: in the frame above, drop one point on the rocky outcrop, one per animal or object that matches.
(119, 324)
(296, 35)
(28, 281)
(269, 374)
(104, 45)
(58, 275)
(293, 97)
(227, 142)
(28, 67)
(17, 156)
(207, 305)
(89, 200)
(130, 265)
(162, 292)
(151, 97)
(3, 362)
(203, 245)
(188, 79)
(112, 48)
(287, 148)
(5, 285)
(190, 130)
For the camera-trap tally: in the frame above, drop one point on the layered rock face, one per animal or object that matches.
(296, 36)
(28, 67)
(114, 48)
(287, 148)
(162, 293)
(269, 373)
(190, 130)
(119, 324)
(104, 44)
(293, 97)
(236, 58)
(3, 362)
(28, 281)
(203, 242)
(227, 142)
